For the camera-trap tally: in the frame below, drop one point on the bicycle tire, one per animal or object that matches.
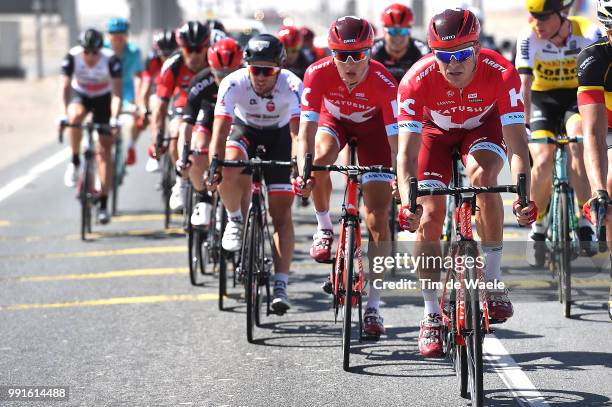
(119, 168)
(247, 259)
(455, 351)
(393, 231)
(565, 271)
(474, 343)
(223, 257)
(348, 296)
(84, 199)
(166, 167)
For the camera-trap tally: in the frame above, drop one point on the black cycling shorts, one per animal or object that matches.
(99, 106)
(549, 109)
(277, 143)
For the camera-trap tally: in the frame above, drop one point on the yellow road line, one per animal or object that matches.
(138, 232)
(107, 274)
(142, 218)
(120, 252)
(114, 301)
(4, 223)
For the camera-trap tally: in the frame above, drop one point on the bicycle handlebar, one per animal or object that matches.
(520, 188)
(252, 163)
(309, 167)
(90, 126)
(554, 140)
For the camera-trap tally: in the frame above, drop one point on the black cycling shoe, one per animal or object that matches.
(536, 249)
(586, 237)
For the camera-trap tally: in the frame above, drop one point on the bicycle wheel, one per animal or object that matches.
(223, 256)
(348, 296)
(119, 171)
(84, 199)
(565, 271)
(393, 230)
(474, 341)
(248, 264)
(455, 351)
(166, 169)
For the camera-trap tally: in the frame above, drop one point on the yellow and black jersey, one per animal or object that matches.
(595, 76)
(555, 67)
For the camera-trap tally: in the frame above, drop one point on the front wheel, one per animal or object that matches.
(474, 344)
(348, 296)
(564, 258)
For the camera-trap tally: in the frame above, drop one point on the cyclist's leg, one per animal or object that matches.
(280, 194)
(546, 114)
(329, 140)
(101, 115)
(200, 139)
(77, 110)
(175, 147)
(437, 164)
(235, 186)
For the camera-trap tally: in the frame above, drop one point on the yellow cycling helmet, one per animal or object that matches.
(546, 6)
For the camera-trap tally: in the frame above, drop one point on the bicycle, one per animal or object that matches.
(254, 263)
(563, 231)
(86, 192)
(203, 241)
(168, 176)
(600, 232)
(466, 316)
(345, 284)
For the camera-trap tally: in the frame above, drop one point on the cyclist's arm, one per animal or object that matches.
(138, 84)
(145, 93)
(159, 117)
(515, 137)
(526, 82)
(409, 144)
(594, 130)
(305, 140)
(221, 129)
(65, 94)
(294, 128)
(117, 90)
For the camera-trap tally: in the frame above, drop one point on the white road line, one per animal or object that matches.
(511, 373)
(21, 182)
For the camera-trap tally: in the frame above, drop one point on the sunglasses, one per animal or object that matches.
(193, 50)
(541, 17)
(355, 56)
(256, 70)
(91, 51)
(398, 31)
(460, 55)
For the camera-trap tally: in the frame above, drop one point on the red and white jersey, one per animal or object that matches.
(324, 91)
(426, 97)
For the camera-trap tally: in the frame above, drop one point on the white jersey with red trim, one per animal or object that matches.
(324, 91)
(236, 98)
(426, 97)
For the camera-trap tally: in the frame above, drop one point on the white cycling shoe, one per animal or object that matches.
(232, 237)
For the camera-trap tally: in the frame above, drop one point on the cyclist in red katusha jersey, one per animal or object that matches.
(176, 74)
(465, 97)
(349, 95)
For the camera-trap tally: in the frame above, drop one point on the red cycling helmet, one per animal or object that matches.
(397, 15)
(307, 34)
(290, 36)
(225, 54)
(350, 33)
(451, 28)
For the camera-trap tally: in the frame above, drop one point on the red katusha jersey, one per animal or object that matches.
(426, 98)
(174, 80)
(324, 92)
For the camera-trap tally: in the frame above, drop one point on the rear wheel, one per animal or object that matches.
(119, 172)
(85, 200)
(217, 231)
(565, 271)
(348, 296)
(166, 169)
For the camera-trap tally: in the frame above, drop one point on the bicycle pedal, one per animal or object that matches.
(330, 261)
(327, 287)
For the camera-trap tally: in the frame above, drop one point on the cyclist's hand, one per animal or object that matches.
(591, 207)
(410, 221)
(212, 180)
(115, 125)
(395, 189)
(527, 215)
(155, 151)
(301, 188)
(181, 167)
(62, 121)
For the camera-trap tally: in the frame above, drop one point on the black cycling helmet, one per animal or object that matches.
(193, 34)
(265, 47)
(216, 25)
(91, 39)
(165, 42)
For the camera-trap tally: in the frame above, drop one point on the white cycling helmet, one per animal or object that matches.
(604, 13)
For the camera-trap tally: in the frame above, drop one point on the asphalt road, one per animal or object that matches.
(116, 320)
